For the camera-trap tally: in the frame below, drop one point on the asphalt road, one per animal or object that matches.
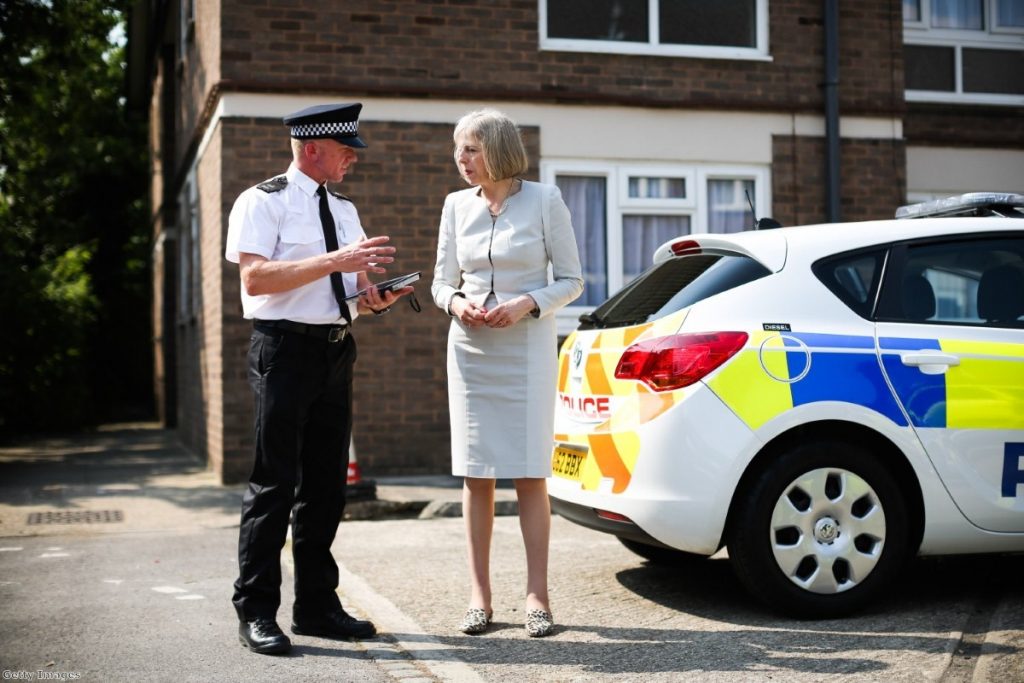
(144, 607)
(117, 557)
(622, 619)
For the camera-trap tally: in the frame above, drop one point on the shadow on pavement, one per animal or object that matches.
(136, 460)
(709, 589)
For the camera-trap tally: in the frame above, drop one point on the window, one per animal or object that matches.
(622, 213)
(673, 285)
(963, 282)
(189, 275)
(853, 278)
(186, 27)
(736, 29)
(964, 50)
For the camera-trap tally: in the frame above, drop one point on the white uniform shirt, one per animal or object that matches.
(285, 226)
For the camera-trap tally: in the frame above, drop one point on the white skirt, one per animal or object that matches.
(501, 397)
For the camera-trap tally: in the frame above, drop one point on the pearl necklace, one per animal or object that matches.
(504, 204)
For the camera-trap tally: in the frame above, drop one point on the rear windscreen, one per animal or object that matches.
(671, 286)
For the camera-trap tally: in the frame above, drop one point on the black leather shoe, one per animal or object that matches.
(264, 636)
(338, 625)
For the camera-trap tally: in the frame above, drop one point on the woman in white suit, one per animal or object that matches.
(497, 242)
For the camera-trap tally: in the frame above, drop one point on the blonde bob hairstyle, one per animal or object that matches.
(499, 139)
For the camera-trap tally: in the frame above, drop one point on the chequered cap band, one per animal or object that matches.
(318, 129)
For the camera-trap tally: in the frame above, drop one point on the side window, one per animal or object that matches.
(853, 278)
(962, 282)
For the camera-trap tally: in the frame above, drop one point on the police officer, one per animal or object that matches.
(301, 252)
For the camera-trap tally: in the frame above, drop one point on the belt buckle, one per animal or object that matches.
(337, 334)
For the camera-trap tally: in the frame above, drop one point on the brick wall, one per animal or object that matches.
(196, 70)
(251, 150)
(872, 179)
(490, 51)
(964, 126)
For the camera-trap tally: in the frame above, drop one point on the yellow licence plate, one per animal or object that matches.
(567, 461)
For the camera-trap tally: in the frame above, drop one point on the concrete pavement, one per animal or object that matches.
(138, 477)
(117, 557)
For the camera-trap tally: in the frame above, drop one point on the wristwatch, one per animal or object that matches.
(449, 310)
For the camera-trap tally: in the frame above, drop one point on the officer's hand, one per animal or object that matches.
(375, 302)
(364, 255)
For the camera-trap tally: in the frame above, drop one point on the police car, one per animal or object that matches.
(825, 401)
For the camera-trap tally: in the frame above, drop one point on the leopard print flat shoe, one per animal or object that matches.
(475, 621)
(539, 623)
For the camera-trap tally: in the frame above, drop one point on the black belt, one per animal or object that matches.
(329, 333)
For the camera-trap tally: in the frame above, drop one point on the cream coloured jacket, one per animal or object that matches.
(512, 256)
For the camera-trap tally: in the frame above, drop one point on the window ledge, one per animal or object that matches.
(647, 49)
(964, 98)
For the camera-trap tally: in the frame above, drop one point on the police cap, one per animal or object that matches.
(335, 121)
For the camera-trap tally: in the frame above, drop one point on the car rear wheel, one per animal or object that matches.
(821, 531)
(660, 554)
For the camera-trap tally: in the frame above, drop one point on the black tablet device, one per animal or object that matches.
(389, 285)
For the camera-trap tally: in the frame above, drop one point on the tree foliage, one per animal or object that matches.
(74, 289)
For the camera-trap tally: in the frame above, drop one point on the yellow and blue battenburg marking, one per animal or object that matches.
(775, 373)
(924, 396)
(985, 391)
(844, 368)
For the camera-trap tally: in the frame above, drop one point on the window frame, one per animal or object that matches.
(616, 176)
(989, 37)
(653, 47)
(189, 266)
(689, 177)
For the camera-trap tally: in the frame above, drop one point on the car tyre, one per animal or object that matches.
(821, 531)
(660, 554)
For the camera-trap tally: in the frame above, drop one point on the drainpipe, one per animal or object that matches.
(832, 202)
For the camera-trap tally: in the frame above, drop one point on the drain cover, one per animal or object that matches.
(76, 517)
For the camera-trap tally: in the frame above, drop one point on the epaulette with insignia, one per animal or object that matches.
(274, 184)
(341, 196)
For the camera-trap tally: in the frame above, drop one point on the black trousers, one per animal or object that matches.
(303, 391)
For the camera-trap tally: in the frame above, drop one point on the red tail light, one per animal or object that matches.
(685, 247)
(678, 361)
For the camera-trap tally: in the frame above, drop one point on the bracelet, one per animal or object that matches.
(381, 311)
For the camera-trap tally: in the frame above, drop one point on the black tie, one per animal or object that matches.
(331, 237)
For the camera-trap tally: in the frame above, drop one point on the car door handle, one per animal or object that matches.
(930, 363)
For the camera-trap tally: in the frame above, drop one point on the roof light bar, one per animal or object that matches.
(970, 204)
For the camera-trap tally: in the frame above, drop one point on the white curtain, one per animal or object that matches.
(967, 14)
(728, 210)
(586, 198)
(1011, 13)
(911, 10)
(641, 235)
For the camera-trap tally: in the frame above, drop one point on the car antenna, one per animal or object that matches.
(760, 223)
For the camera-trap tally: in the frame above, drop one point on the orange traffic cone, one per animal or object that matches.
(357, 487)
(355, 474)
